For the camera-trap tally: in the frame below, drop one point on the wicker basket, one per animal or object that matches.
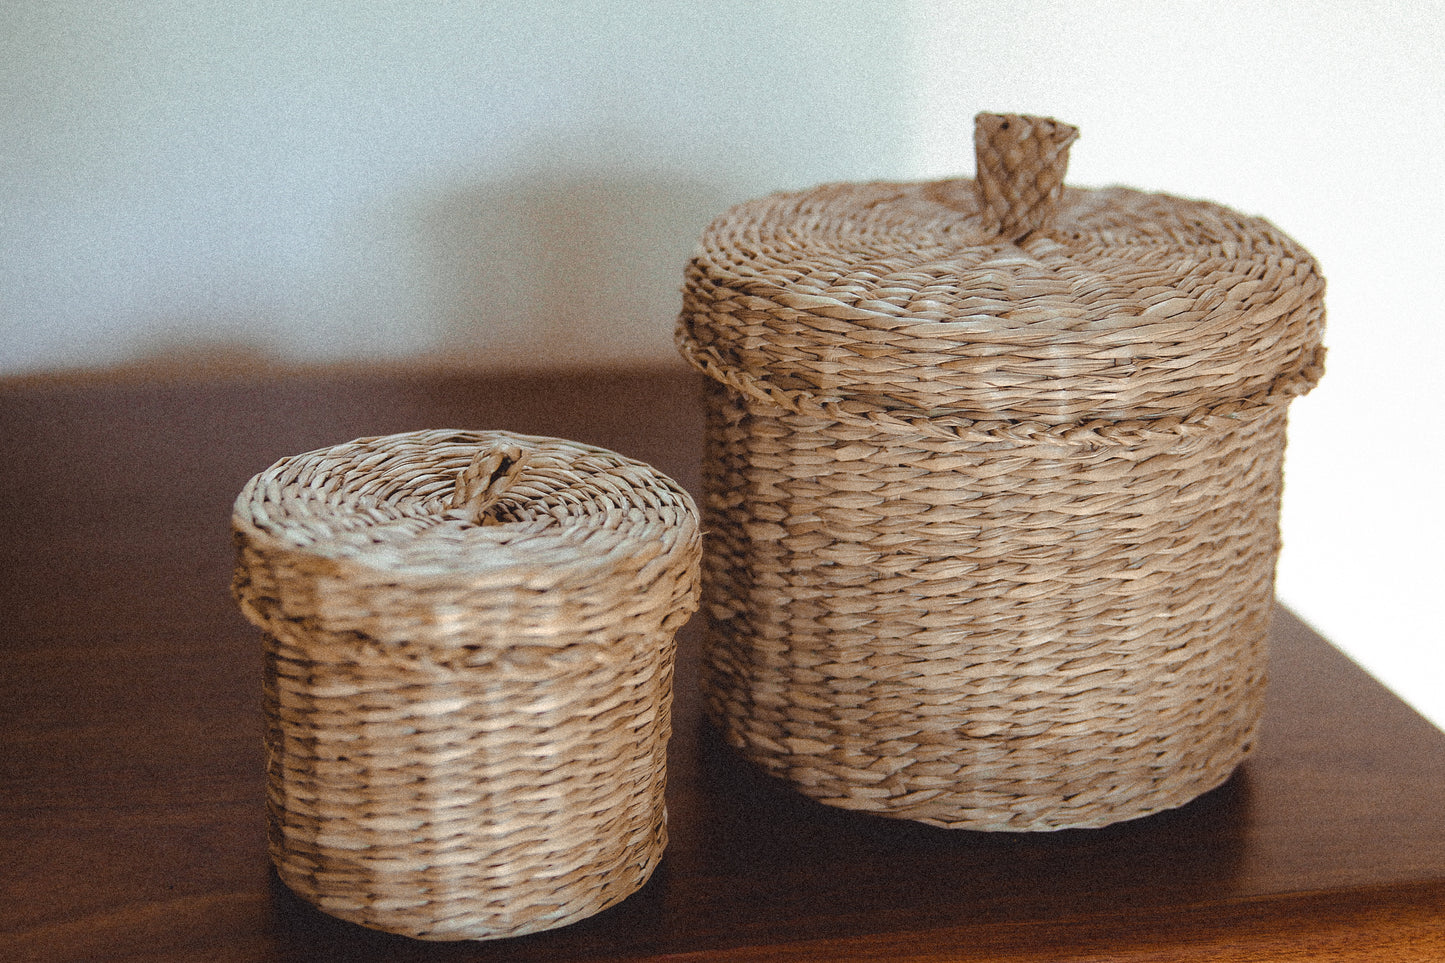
(469, 651)
(992, 480)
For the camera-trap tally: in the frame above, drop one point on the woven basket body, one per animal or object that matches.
(993, 517)
(469, 652)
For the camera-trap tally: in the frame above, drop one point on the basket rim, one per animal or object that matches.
(1130, 305)
(381, 576)
(469, 551)
(921, 425)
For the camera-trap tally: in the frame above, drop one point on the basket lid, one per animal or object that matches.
(404, 537)
(1006, 296)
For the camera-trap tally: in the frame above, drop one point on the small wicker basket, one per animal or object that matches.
(992, 482)
(469, 652)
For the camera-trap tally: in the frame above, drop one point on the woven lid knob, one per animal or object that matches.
(491, 472)
(1021, 164)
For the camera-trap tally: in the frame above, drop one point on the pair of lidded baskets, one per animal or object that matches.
(469, 647)
(991, 486)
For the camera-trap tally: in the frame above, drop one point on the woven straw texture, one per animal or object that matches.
(992, 480)
(469, 652)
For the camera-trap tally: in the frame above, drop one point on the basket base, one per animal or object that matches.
(993, 808)
(485, 900)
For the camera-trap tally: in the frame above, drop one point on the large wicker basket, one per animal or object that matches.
(992, 481)
(469, 652)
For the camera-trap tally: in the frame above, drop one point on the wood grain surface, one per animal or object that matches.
(131, 822)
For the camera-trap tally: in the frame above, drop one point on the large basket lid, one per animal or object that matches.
(1005, 297)
(414, 537)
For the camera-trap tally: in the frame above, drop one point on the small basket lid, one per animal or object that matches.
(406, 538)
(1005, 297)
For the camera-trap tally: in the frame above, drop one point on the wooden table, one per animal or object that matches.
(132, 774)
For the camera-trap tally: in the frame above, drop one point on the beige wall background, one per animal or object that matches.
(519, 184)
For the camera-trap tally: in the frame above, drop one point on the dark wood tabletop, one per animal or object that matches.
(131, 819)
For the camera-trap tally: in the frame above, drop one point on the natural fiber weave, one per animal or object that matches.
(992, 480)
(469, 651)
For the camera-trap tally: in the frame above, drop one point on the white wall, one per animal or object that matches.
(517, 180)
(520, 182)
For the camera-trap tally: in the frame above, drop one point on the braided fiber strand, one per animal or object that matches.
(469, 655)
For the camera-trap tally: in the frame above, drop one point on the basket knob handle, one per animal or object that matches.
(491, 472)
(1021, 163)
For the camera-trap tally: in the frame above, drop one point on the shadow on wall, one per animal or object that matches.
(562, 265)
(571, 254)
